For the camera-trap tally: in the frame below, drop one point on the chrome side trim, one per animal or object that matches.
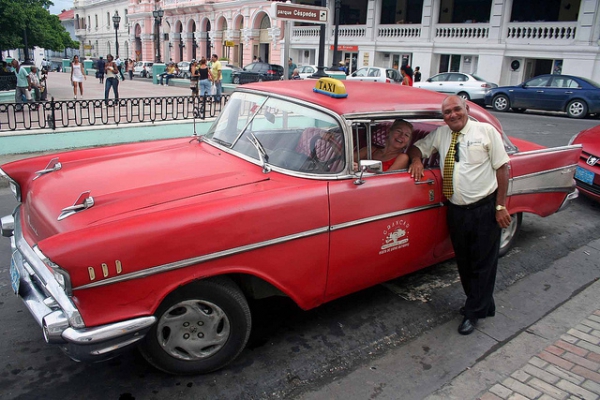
(384, 216)
(548, 150)
(197, 260)
(557, 179)
(208, 257)
(570, 197)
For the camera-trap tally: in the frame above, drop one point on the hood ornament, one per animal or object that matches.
(83, 202)
(52, 166)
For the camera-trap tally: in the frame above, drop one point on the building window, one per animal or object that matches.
(449, 63)
(544, 10)
(401, 12)
(108, 20)
(465, 11)
(96, 19)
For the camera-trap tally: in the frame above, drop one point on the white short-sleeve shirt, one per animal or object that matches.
(480, 152)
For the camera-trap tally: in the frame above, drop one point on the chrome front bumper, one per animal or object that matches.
(56, 313)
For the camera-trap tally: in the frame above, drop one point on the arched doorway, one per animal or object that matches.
(138, 43)
(263, 48)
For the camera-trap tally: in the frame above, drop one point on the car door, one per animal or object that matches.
(382, 228)
(436, 83)
(559, 92)
(362, 74)
(455, 84)
(532, 94)
(540, 180)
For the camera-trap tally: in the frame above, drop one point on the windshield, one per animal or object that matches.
(280, 133)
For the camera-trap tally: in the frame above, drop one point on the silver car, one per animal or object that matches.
(467, 86)
(376, 74)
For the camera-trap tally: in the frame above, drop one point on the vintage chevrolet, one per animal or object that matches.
(161, 244)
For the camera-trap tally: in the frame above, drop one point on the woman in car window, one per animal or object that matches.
(392, 156)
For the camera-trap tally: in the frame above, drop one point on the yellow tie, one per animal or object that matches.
(449, 166)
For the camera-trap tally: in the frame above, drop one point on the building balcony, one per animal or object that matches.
(541, 32)
(395, 33)
(465, 33)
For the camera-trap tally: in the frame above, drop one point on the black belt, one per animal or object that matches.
(485, 200)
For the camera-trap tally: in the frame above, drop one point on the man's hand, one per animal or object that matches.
(416, 169)
(503, 218)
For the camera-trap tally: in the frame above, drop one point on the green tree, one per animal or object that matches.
(30, 20)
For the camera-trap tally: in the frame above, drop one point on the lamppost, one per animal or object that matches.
(336, 53)
(158, 14)
(116, 20)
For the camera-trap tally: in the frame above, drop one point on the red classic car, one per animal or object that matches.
(160, 244)
(587, 174)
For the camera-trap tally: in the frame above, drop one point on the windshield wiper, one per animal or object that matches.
(262, 154)
(221, 141)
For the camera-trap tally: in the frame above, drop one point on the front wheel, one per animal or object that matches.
(200, 328)
(508, 235)
(577, 109)
(464, 95)
(501, 103)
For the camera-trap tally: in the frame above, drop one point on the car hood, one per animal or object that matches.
(590, 139)
(132, 182)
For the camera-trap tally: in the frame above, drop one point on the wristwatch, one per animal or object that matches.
(500, 208)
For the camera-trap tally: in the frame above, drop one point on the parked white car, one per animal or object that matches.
(143, 69)
(376, 74)
(307, 70)
(467, 86)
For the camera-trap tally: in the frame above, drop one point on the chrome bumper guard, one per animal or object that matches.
(570, 197)
(57, 315)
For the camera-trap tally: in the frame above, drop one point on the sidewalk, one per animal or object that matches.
(543, 343)
(59, 87)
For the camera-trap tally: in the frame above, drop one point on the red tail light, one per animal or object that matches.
(271, 72)
(387, 80)
(486, 85)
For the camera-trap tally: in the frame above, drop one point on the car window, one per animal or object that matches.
(249, 67)
(391, 74)
(477, 78)
(374, 72)
(538, 82)
(294, 137)
(439, 78)
(361, 72)
(564, 82)
(458, 78)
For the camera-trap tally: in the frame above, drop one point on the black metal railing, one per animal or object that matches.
(59, 114)
(8, 82)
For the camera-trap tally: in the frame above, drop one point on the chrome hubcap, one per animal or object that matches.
(193, 330)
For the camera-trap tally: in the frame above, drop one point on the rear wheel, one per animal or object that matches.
(200, 328)
(464, 95)
(501, 103)
(508, 235)
(577, 109)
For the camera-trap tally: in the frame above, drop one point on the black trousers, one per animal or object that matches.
(475, 236)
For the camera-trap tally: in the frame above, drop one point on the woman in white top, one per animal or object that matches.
(77, 76)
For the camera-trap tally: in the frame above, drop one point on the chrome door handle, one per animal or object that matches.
(427, 182)
(540, 91)
(568, 92)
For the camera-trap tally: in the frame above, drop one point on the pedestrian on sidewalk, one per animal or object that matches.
(101, 65)
(204, 77)
(216, 73)
(194, 77)
(77, 76)
(129, 66)
(35, 83)
(474, 167)
(120, 67)
(112, 71)
(23, 83)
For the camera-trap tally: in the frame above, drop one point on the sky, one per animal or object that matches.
(60, 5)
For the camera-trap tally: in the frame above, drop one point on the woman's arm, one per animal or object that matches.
(401, 162)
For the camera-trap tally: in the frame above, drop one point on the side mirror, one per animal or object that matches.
(370, 166)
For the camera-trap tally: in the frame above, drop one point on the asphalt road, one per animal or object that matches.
(292, 351)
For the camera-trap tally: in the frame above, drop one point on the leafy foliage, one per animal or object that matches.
(32, 17)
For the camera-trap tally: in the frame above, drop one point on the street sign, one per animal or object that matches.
(295, 12)
(229, 43)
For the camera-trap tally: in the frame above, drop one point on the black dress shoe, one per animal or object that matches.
(491, 313)
(467, 326)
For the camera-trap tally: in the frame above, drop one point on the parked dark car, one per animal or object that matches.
(257, 72)
(576, 96)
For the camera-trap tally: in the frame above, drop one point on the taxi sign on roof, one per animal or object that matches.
(331, 87)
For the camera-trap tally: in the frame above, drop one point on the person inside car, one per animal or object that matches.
(393, 155)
